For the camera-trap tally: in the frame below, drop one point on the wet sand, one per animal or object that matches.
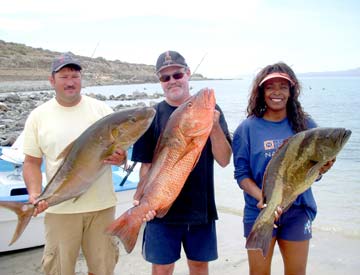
(329, 254)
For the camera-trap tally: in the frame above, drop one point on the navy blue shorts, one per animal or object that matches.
(293, 225)
(162, 242)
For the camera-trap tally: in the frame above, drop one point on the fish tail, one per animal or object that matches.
(24, 212)
(126, 228)
(260, 237)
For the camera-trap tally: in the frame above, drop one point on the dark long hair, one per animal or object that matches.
(257, 107)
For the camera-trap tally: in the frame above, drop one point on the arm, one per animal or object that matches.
(33, 179)
(145, 167)
(250, 187)
(219, 144)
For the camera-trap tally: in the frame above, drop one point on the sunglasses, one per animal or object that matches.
(176, 76)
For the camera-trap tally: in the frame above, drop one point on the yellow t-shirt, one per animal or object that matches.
(49, 129)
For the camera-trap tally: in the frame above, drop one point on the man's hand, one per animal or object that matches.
(149, 216)
(216, 118)
(40, 207)
(117, 158)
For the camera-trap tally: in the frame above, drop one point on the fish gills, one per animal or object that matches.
(290, 172)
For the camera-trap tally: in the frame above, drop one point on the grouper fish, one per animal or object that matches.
(291, 171)
(83, 160)
(176, 154)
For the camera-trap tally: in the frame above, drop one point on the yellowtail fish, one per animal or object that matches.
(83, 160)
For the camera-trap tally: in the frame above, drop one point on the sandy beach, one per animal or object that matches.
(329, 254)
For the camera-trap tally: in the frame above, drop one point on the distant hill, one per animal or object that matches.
(19, 62)
(352, 72)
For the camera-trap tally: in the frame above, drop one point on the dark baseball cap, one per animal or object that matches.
(168, 59)
(64, 60)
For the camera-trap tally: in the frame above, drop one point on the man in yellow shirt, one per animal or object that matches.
(79, 223)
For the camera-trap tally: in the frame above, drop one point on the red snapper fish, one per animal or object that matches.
(177, 152)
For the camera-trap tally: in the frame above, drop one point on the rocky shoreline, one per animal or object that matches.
(16, 105)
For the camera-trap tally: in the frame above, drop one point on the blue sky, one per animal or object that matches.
(236, 37)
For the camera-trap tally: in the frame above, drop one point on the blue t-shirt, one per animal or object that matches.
(254, 143)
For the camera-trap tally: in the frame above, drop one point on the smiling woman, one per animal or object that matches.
(276, 94)
(274, 115)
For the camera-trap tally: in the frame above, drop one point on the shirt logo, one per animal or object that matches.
(269, 145)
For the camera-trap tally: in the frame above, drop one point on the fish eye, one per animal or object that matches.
(190, 104)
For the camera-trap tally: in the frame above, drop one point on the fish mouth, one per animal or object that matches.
(341, 137)
(346, 136)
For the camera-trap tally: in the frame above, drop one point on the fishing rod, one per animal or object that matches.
(95, 49)
(202, 59)
(131, 168)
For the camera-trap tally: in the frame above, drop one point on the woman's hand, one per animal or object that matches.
(327, 166)
(278, 211)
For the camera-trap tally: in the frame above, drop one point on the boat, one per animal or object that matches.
(12, 188)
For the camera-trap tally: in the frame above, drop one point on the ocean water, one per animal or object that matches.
(332, 102)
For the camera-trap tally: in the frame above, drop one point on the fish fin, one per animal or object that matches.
(260, 237)
(66, 151)
(24, 212)
(191, 149)
(127, 227)
(283, 144)
(152, 173)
